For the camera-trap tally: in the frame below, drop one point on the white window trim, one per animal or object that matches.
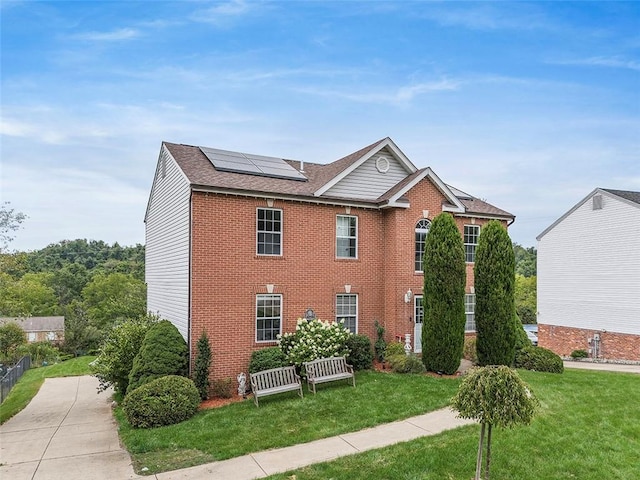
(475, 244)
(264, 231)
(338, 317)
(356, 237)
(417, 300)
(469, 312)
(414, 242)
(255, 324)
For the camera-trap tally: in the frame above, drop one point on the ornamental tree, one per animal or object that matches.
(494, 395)
(444, 283)
(494, 287)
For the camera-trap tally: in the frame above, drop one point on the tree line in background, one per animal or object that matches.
(91, 283)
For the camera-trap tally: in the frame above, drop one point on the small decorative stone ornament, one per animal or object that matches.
(407, 343)
(242, 385)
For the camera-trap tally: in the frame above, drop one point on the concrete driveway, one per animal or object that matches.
(66, 432)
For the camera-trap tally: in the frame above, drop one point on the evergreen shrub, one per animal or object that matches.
(576, 354)
(118, 351)
(163, 401)
(163, 352)
(266, 359)
(360, 354)
(394, 348)
(444, 287)
(202, 364)
(380, 344)
(469, 351)
(495, 310)
(406, 363)
(222, 388)
(539, 359)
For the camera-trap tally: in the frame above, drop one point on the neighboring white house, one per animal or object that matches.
(589, 278)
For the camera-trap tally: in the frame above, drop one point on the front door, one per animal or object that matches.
(418, 316)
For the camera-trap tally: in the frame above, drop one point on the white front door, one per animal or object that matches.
(418, 315)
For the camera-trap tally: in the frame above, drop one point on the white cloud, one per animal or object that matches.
(608, 62)
(396, 96)
(222, 13)
(112, 36)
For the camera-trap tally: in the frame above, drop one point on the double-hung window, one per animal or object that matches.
(268, 317)
(422, 228)
(347, 310)
(470, 312)
(346, 236)
(471, 234)
(269, 231)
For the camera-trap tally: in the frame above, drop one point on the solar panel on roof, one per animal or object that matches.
(237, 162)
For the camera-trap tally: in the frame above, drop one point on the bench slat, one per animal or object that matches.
(327, 370)
(275, 380)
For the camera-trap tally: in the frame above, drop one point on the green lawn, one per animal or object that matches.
(29, 384)
(285, 420)
(588, 429)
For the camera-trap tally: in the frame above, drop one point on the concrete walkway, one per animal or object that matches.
(68, 432)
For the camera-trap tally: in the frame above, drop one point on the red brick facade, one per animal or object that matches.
(613, 346)
(227, 274)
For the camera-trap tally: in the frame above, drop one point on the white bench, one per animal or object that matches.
(276, 380)
(328, 370)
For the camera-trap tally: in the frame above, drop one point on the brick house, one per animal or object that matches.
(589, 278)
(241, 245)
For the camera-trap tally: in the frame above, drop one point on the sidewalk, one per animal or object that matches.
(263, 464)
(603, 366)
(68, 431)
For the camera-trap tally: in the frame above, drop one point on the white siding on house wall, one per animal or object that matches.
(167, 244)
(589, 269)
(366, 182)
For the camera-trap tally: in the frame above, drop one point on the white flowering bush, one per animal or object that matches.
(314, 339)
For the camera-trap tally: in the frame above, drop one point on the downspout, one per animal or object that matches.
(189, 301)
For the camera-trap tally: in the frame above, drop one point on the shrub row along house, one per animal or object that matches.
(241, 246)
(589, 278)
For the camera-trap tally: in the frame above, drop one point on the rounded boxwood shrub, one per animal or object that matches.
(538, 359)
(163, 401)
(266, 359)
(361, 355)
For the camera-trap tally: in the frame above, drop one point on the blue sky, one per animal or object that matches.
(529, 105)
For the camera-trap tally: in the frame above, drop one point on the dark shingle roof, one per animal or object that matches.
(201, 174)
(626, 194)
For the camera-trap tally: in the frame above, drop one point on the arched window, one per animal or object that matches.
(422, 228)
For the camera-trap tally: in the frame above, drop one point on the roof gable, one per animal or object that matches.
(394, 197)
(628, 197)
(353, 165)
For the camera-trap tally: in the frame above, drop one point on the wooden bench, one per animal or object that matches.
(328, 370)
(276, 380)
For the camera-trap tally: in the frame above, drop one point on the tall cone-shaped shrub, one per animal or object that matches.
(494, 286)
(444, 282)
